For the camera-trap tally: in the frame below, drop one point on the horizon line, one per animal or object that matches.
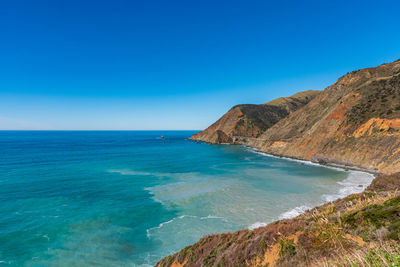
(98, 130)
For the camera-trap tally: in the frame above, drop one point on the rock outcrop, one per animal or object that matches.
(252, 120)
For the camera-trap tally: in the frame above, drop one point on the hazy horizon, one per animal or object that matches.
(125, 65)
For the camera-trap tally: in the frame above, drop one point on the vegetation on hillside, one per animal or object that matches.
(359, 230)
(379, 99)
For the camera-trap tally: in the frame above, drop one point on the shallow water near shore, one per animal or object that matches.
(126, 198)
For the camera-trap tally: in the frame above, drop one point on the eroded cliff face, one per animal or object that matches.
(353, 122)
(252, 120)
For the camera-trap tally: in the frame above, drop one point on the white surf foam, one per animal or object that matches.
(257, 225)
(294, 212)
(356, 182)
(148, 231)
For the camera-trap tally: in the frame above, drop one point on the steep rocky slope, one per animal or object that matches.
(251, 120)
(356, 122)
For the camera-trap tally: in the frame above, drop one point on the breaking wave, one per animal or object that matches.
(356, 182)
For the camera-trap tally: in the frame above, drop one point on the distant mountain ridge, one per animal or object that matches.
(249, 120)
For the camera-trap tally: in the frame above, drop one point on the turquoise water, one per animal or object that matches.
(126, 198)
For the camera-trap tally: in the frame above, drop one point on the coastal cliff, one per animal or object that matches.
(354, 122)
(249, 120)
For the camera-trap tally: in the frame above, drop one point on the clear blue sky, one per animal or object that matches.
(177, 64)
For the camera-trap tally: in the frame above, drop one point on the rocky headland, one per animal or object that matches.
(250, 121)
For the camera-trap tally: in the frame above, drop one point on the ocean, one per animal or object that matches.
(129, 198)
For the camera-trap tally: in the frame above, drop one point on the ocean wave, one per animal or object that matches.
(213, 217)
(356, 182)
(257, 225)
(294, 212)
(148, 231)
(129, 172)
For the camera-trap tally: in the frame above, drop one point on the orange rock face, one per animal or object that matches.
(375, 125)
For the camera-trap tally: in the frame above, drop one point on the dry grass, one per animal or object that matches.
(300, 96)
(384, 255)
(329, 235)
(374, 199)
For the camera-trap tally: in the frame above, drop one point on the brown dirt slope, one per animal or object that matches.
(252, 120)
(355, 122)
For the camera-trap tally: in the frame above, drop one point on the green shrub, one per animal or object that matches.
(287, 247)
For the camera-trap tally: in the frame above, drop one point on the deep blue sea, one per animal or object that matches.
(127, 198)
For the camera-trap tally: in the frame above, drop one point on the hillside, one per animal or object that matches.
(294, 102)
(359, 230)
(355, 122)
(249, 120)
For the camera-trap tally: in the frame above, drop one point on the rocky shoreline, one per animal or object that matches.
(325, 162)
(319, 161)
